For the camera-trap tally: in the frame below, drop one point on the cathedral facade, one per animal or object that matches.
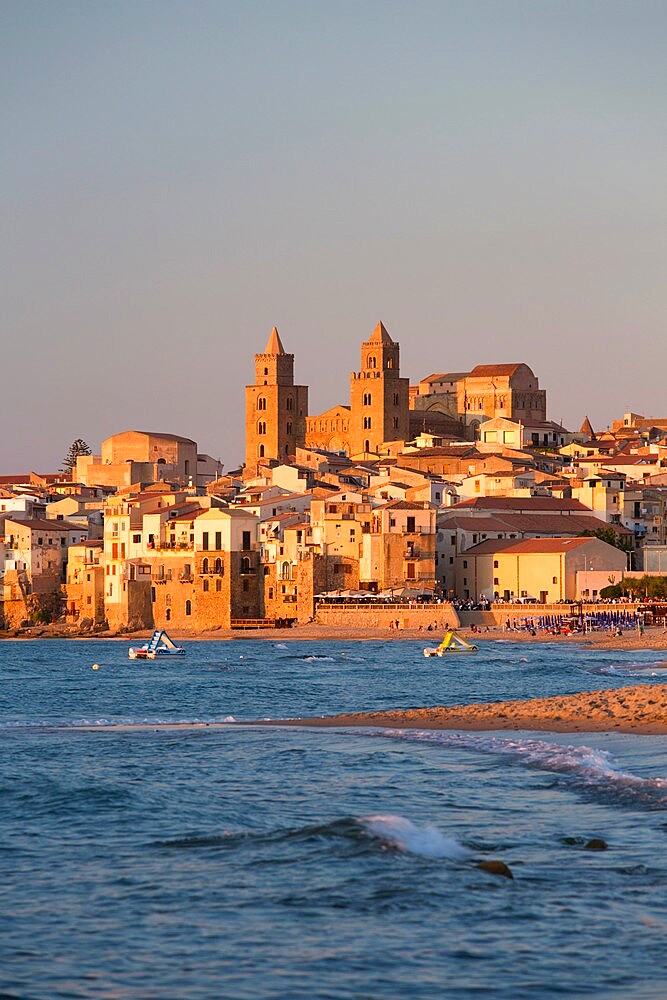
(383, 408)
(277, 420)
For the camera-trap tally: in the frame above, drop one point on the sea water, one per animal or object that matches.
(244, 862)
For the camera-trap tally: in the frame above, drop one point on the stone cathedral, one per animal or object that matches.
(383, 407)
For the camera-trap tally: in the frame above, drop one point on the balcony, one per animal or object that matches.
(412, 553)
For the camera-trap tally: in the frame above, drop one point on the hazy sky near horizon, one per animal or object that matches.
(488, 178)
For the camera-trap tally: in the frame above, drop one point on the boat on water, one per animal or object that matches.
(452, 643)
(160, 645)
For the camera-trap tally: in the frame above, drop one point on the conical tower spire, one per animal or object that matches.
(275, 344)
(587, 430)
(380, 335)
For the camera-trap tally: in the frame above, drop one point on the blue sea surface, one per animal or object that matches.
(140, 861)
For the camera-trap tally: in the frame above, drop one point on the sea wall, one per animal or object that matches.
(380, 616)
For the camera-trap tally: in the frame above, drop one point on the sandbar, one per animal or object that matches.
(641, 708)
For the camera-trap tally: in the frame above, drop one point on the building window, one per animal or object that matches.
(410, 526)
(204, 566)
(495, 581)
(554, 579)
(495, 564)
(188, 608)
(204, 585)
(367, 423)
(261, 451)
(289, 427)
(270, 593)
(367, 399)
(411, 571)
(261, 403)
(289, 404)
(396, 399)
(371, 363)
(218, 541)
(246, 541)
(218, 586)
(261, 427)
(218, 565)
(465, 563)
(204, 543)
(167, 614)
(395, 423)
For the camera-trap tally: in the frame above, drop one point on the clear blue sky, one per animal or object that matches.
(488, 178)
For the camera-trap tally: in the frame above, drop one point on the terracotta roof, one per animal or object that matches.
(518, 504)
(188, 513)
(529, 545)
(42, 524)
(158, 434)
(480, 371)
(471, 523)
(406, 505)
(444, 377)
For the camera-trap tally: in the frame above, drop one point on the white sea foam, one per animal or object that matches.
(229, 718)
(630, 669)
(316, 659)
(280, 645)
(404, 835)
(587, 765)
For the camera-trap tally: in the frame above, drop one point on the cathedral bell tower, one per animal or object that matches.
(275, 408)
(378, 396)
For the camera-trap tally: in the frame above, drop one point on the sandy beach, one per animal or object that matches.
(652, 638)
(641, 708)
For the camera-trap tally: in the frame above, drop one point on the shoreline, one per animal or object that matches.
(638, 710)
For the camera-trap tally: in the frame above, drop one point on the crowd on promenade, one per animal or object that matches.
(616, 622)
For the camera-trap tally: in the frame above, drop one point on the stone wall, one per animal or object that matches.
(441, 616)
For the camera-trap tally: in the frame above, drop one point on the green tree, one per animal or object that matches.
(78, 447)
(609, 536)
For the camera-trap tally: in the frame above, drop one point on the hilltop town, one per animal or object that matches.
(457, 488)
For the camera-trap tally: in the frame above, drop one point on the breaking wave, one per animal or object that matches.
(401, 833)
(587, 768)
(366, 833)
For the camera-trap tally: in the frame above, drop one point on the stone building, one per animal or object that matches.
(399, 549)
(542, 569)
(507, 390)
(275, 408)
(35, 565)
(140, 456)
(84, 590)
(170, 563)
